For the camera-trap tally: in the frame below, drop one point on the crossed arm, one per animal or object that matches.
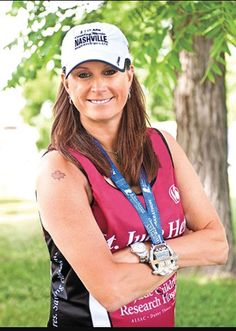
(64, 198)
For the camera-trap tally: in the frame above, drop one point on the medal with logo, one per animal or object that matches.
(161, 257)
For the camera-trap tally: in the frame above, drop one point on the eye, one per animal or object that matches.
(110, 72)
(83, 75)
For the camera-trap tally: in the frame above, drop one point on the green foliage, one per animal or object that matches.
(157, 31)
(41, 40)
(40, 95)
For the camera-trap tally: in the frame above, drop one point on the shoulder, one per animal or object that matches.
(174, 146)
(176, 151)
(53, 161)
(163, 143)
(55, 168)
(165, 136)
(169, 138)
(182, 164)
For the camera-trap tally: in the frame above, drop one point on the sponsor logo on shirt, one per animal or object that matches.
(174, 194)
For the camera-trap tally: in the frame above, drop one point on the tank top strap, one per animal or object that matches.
(161, 147)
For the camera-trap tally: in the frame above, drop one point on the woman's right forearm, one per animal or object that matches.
(131, 280)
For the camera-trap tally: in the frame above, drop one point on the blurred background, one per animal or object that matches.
(168, 41)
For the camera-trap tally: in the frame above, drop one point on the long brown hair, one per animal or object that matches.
(133, 144)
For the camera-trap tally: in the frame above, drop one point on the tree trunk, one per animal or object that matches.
(201, 117)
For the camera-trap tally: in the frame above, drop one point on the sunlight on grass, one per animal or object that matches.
(15, 210)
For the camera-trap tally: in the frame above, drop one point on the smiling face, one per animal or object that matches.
(98, 91)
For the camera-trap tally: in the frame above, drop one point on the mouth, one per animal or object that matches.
(100, 101)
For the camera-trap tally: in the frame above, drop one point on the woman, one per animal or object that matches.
(120, 204)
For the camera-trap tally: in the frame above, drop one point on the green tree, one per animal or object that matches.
(179, 51)
(40, 95)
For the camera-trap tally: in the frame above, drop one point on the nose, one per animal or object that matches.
(98, 85)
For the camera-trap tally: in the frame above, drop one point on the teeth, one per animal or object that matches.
(100, 101)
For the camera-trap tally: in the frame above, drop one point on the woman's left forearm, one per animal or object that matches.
(201, 248)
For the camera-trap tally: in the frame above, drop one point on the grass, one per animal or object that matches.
(205, 303)
(24, 272)
(25, 283)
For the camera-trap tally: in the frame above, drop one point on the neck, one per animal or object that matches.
(106, 135)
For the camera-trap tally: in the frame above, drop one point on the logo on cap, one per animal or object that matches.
(90, 37)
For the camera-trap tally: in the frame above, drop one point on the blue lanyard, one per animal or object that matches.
(150, 216)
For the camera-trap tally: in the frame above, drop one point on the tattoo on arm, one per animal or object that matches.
(58, 175)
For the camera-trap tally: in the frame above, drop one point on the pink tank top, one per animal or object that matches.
(122, 226)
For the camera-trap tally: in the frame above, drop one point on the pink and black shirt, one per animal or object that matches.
(71, 303)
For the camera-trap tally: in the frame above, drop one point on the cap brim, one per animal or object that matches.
(115, 59)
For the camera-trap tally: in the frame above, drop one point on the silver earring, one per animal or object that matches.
(129, 94)
(70, 101)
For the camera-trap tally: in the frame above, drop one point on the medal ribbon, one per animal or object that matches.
(149, 216)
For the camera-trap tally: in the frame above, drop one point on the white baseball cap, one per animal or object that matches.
(94, 42)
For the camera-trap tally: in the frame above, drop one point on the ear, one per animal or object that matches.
(65, 82)
(130, 73)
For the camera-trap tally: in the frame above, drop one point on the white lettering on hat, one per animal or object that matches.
(90, 38)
